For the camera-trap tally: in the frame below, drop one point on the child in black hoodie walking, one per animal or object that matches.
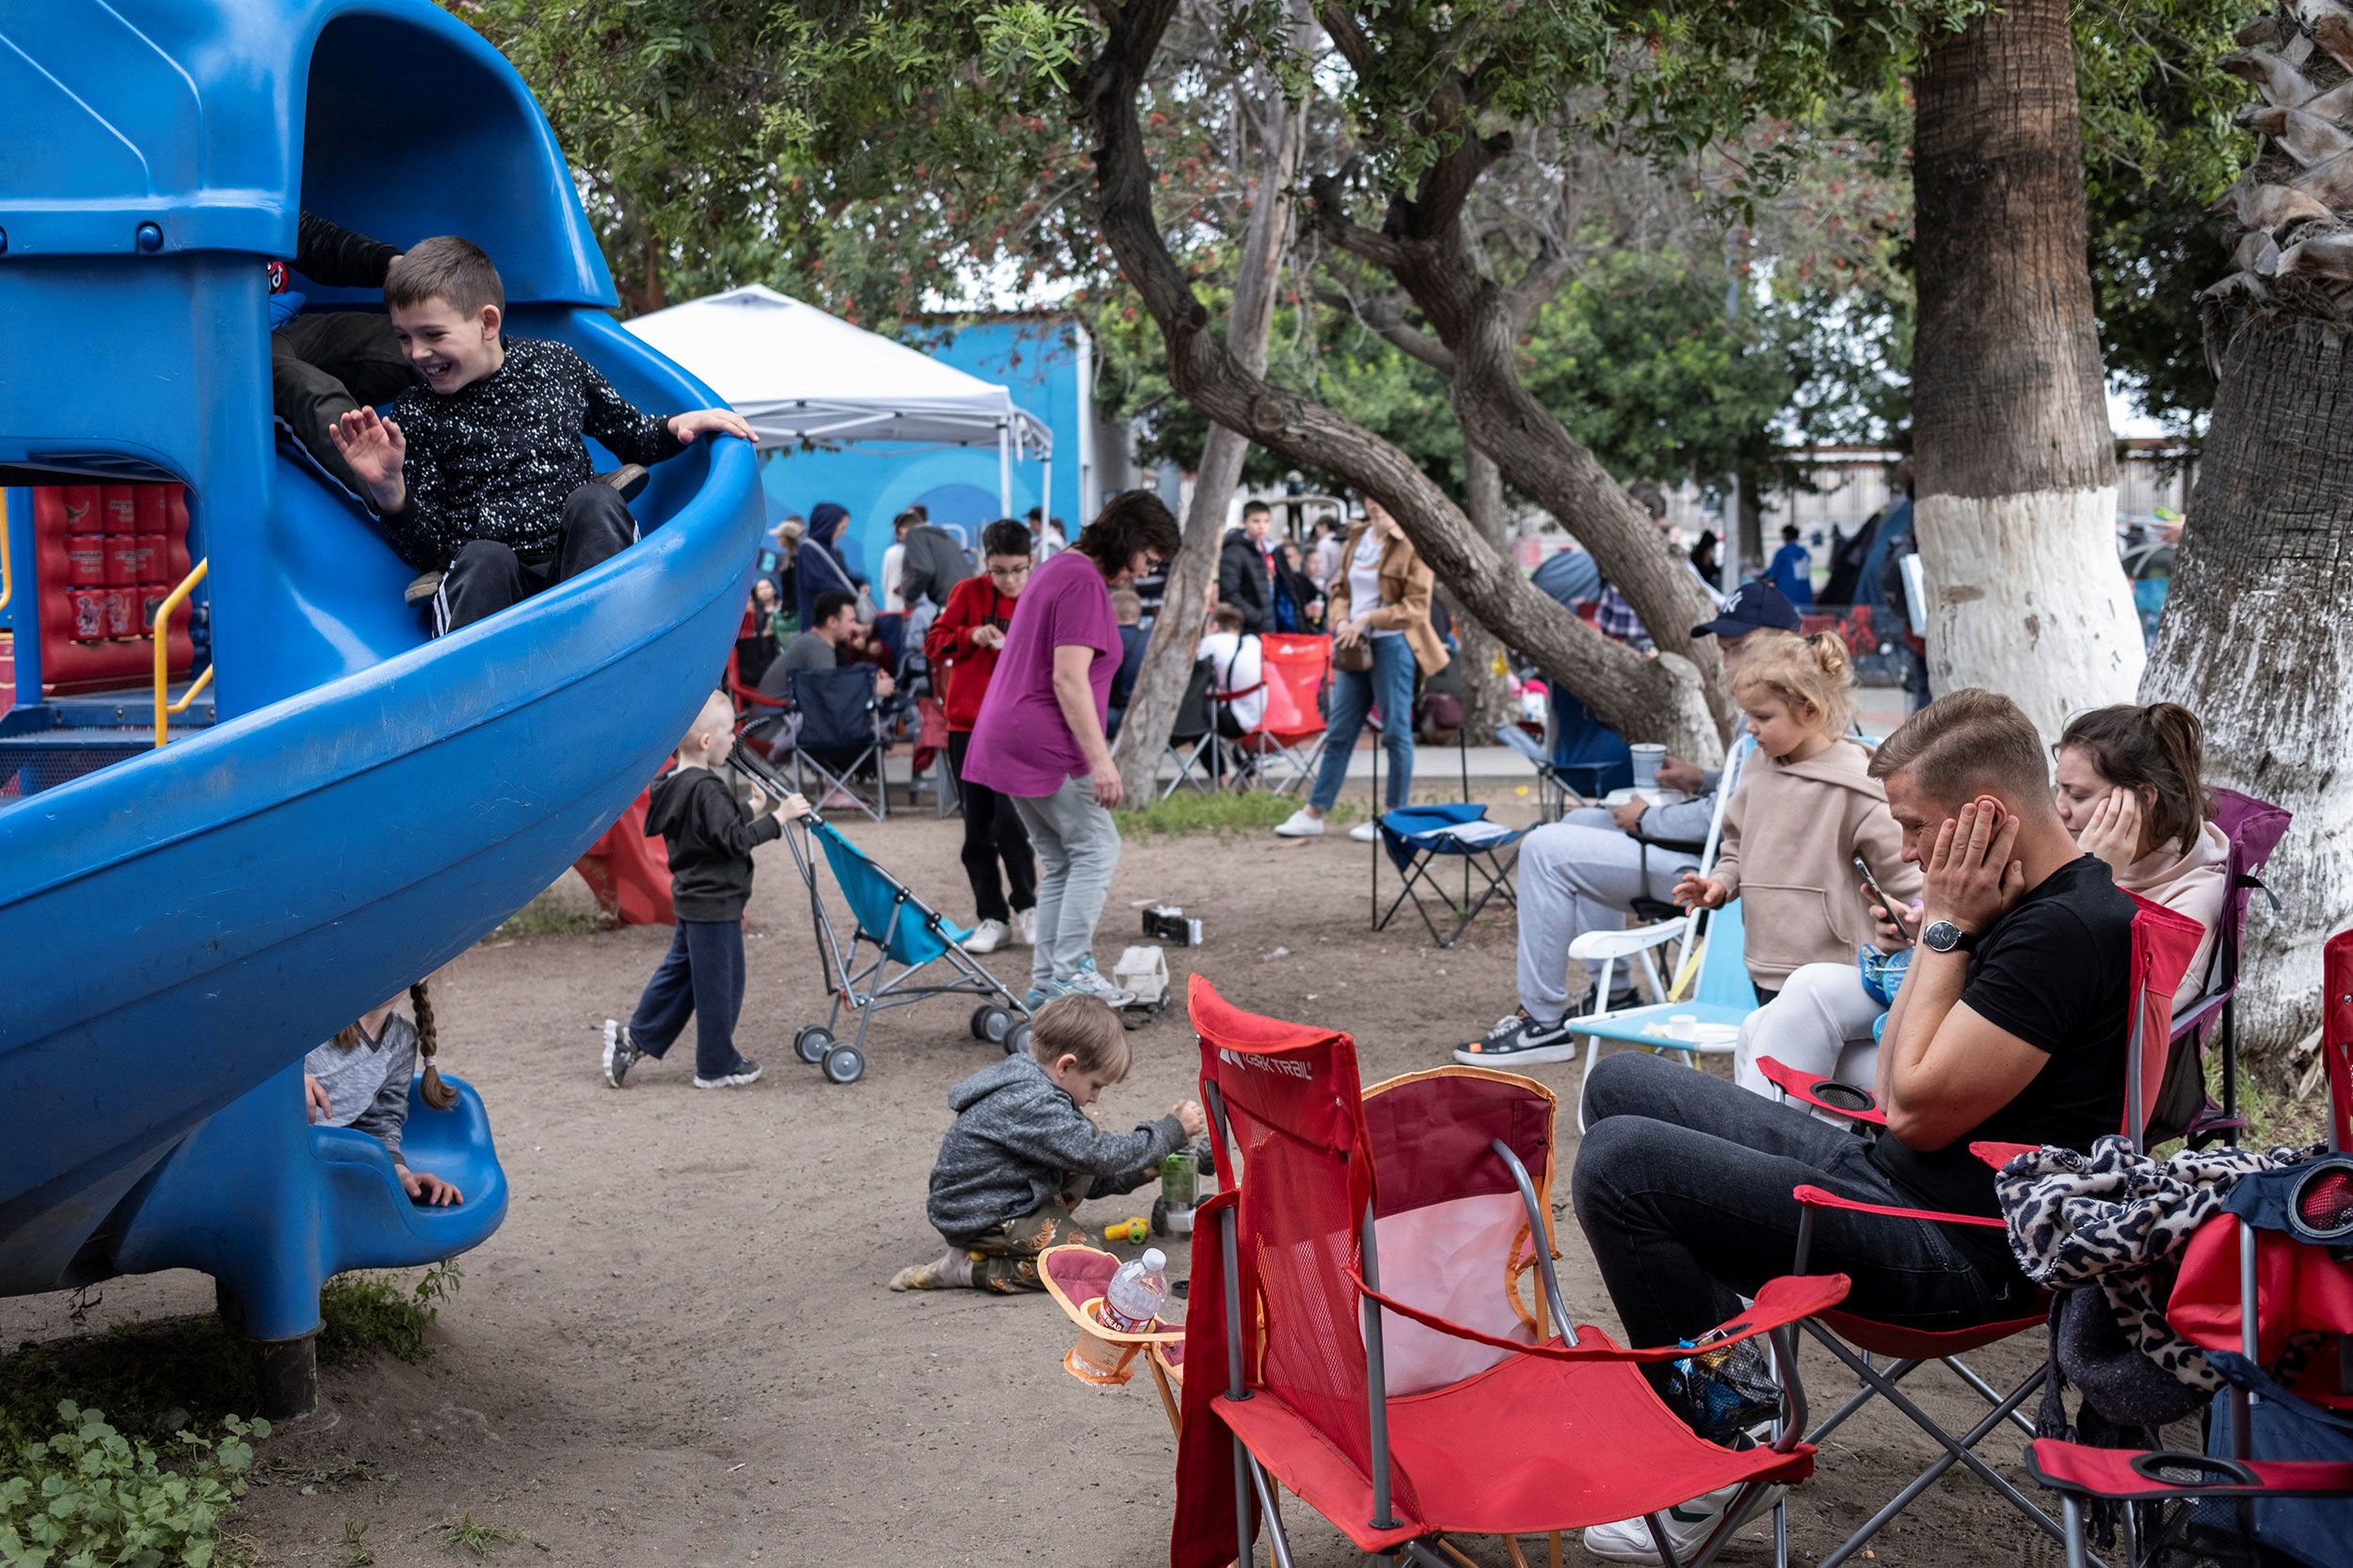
(710, 838)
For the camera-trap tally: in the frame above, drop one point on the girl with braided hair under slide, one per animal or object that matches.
(360, 1079)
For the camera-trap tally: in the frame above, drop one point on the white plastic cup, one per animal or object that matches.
(1647, 758)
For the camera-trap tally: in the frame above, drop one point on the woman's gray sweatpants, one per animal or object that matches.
(1076, 846)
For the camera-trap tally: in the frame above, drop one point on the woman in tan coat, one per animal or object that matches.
(1378, 613)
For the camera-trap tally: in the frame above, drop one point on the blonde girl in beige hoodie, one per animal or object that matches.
(1804, 809)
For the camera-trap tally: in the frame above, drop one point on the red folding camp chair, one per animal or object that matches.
(2266, 1289)
(2163, 945)
(1326, 1327)
(1294, 668)
(2254, 829)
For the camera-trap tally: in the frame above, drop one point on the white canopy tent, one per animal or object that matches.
(798, 374)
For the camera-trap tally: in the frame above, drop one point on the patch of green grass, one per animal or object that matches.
(483, 1541)
(363, 1312)
(552, 914)
(1229, 812)
(357, 1552)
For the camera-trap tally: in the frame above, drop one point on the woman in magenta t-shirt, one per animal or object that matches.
(1039, 738)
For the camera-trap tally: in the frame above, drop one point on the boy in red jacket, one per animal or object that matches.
(962, 646)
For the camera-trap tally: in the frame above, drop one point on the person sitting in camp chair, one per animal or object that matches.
(1023, 1154)
(2011, 1026)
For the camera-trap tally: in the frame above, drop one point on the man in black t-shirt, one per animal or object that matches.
(2010, 1025)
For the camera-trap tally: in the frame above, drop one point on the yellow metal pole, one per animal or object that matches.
(161, 630)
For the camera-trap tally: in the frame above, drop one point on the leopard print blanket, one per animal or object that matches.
(2116, 1219)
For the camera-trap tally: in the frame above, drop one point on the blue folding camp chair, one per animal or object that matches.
(840, 733)
(902, 929)
(1416, 837)
(1580, 759)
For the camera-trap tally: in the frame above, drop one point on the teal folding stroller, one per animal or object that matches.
(900, 929)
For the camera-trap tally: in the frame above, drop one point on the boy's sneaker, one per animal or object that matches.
(1300, 825)
(422, 587)
(1688, 1525)
(987, 937)
(1025, 926)
(620, 1052)
(746, 1071)
(1087, 981)
(1364, 833)
(1517, 1038)
(630, 478)
(953, 1271)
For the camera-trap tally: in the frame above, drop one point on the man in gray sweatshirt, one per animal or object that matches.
(1024, 1153)
(1586, 871)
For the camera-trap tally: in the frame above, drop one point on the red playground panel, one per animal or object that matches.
(104, 557)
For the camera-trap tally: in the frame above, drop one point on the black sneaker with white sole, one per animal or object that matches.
(620, 1052)
(1518, 1038)
(746, 1071)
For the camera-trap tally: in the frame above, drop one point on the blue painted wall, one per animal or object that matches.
(1038, 360)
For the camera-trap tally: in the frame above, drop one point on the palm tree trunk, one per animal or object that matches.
(2016, 515)
(2256, 635)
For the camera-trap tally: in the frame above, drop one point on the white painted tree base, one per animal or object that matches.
(2026, 597)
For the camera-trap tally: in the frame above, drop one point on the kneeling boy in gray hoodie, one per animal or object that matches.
(1024, 1153)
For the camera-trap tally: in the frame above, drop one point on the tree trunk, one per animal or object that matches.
(1643, 698)
(2254, 641)
(2016, 465)
(1168, 657)
(1486, 692)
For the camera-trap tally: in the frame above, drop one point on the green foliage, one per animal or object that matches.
(1233, 811)
(89, 1495)
(357, 1552)
(363, 1312)
(554, 913)
(482, 1540)
(2159, 149)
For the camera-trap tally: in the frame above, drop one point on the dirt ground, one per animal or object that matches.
(679, 1348)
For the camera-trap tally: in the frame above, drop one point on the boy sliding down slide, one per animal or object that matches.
(482, 472)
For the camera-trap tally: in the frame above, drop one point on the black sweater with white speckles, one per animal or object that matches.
(495, 458)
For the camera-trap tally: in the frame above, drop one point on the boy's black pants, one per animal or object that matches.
(487, 576)
(325, 363)
(992, 831)
(702, 974)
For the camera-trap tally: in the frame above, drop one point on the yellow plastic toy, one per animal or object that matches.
(1127, 1230)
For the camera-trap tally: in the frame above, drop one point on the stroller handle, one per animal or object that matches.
(751, 762)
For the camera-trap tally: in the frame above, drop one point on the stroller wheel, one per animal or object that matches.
(1017, 1038)
(844, 1064)
(811, 1043)
(989, 1022)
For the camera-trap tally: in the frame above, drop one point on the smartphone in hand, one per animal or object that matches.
(1894, 910)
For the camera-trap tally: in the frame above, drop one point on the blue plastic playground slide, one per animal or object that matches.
(177, 928)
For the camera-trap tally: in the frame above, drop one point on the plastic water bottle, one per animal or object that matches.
(1136, 1294)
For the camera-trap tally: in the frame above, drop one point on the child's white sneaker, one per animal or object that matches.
(620, 1052)
(1087, 981)
(950, 1271)
(987, 937)
(746, 1071)
(1025, 926)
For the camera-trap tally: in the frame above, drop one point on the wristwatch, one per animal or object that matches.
(1944, 936)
